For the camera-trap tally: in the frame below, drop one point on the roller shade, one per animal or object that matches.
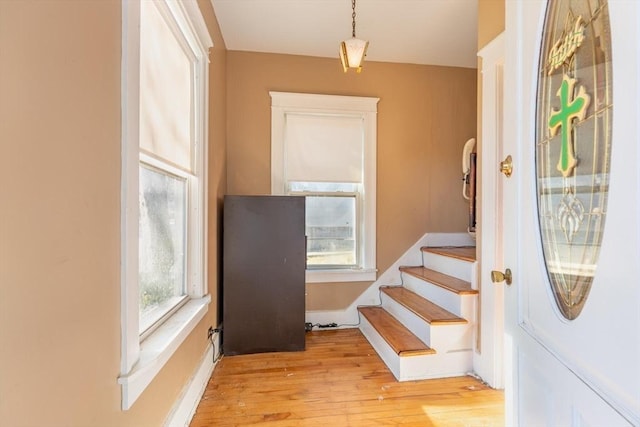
(323, 148)
(166, 104)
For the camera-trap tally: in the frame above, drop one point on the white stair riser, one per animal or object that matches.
(460, 305)
(450, 266)
(409, 319)
(444, 337)
(420, 367)
(455, 338)
(438, 366)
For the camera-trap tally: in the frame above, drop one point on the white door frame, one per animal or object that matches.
(489, 352)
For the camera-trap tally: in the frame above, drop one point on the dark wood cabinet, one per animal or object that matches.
(263, 285)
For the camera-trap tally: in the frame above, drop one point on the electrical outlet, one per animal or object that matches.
(210, 332)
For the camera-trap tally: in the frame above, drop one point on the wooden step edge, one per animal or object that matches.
(453, 284)
(423, 308)
(410, 353)
(403, 342)
(459, 321)
(464, 253)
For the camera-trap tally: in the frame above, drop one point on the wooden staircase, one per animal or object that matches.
(424, 327)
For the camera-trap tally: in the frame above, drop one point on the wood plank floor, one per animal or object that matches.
(338, 381)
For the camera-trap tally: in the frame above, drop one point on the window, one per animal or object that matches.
(573, 148)
(324, 148)
(331, 224)
(164, 93)
(162, 237)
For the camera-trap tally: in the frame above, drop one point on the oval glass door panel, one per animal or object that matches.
(573, 145)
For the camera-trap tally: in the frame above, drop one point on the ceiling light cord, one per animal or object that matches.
(353, 17)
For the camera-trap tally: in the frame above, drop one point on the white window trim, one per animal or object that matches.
(283, 103)
(141, 361)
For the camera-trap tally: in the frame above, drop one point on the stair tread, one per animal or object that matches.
(453, 284)
(465, 253)
(401, 340)
(425, 309)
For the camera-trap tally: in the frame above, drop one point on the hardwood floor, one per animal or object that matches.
(338, 381)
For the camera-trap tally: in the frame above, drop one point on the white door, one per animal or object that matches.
(584, 371)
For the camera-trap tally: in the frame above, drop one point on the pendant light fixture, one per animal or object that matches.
(353, 51)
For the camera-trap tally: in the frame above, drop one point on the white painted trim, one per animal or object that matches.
(488, 361)
(311, 102)
(141, 361)
(197, 24)
(187, 403)
(284, 103)
(157, 349)
(343, 318)
(130, 88)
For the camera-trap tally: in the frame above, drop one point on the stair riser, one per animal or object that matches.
(444, 337)
(418, 367)
(455, 338)
(450, 266)
(410, 320)
(460, 305)
(438, 366)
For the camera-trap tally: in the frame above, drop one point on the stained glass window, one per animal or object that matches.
(573, 145)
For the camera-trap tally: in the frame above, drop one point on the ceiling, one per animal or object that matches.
(436, 32)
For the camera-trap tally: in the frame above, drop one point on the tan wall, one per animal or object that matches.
(425, 115)
(490, 25)
(60, 219)
(490, 20)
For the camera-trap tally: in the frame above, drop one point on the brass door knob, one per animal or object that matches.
(506, 166)
(499, 276)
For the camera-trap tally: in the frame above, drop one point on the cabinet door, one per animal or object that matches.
(263, 274)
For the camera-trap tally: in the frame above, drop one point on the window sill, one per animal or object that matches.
(342, 275)
(157, 349)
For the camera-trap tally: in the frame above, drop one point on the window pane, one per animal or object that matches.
(331, 231)
(161, 243)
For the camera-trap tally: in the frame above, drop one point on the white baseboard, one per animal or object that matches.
(344, 318)
(186, 404)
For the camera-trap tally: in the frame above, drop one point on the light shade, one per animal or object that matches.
(352, 53)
